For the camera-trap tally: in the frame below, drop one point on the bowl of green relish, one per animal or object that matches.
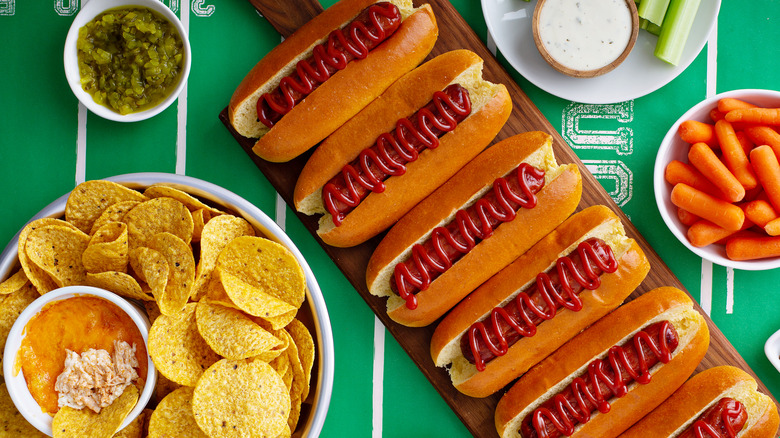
(127, 60)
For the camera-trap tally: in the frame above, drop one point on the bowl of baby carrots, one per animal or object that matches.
(717, 179)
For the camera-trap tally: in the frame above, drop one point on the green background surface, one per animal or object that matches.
(38, 138)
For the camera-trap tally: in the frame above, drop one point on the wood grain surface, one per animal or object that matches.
(454, 33)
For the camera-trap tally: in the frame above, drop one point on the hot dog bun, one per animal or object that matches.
(702, 391)
(490, 108)
(556, 372)
(632, 267)
(342, 95)
(555, 202)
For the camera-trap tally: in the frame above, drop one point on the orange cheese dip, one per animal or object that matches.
(75, 324)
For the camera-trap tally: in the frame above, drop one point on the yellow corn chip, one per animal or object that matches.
(152, 268)
(173, 417)
(15, 282)
(159, 215)
(84, 423)
(12, 423)
(217, 233)
(113, 213)
(57, 250)
(107, 249)
(164, 191)
(181, 271)
(42, 281)
(89, 199)
(256, 301)
(241, 399)
(231, 334)
(136, 428)
(119, 283)
(302, 338)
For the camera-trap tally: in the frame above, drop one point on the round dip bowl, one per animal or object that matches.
(15, 381)
(586, 38)
(87, 13)
(314, 312)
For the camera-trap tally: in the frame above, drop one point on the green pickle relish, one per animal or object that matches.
(130, 58)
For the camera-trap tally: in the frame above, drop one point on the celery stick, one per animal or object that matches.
(653, 29)
(675, 30)
(653, 10)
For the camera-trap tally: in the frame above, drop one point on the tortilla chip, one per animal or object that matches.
(152, 268)
(113, 213)
(11, 306)
(89, 199)
(13, 283)
(217, 233)
(107, 249)
(241, 399)
(177, 349)
(256, 301)
(181, 271)
(119, 283)
(155, 216)
(231, 334)
(57, 250)
(12, 423)
(152, 310)
(173, 417)
(265, 265)
(136, 428)
(163, 191)
(84, 423)
(303, 339)
(199, 219)
(42, 281)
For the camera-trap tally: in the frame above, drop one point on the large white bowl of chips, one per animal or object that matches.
(313, 313)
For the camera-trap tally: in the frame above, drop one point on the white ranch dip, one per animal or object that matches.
(584, 34)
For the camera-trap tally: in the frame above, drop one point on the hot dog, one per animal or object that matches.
(575, 275)
(401, 147)
(609, 376)
(481, 220)
(327, 71)
(720, 402)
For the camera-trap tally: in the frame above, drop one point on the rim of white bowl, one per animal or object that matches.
(16, 383)
(323, 333)
(70, 58)
(714, 253)
(772, 350)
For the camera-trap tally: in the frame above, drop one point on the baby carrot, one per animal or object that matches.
(760, 212)
(734, 156)
(679, 172)
(693, 131)
(716, 114)
(727, 104)
(768, 172)
(745, 141)
(751, 248)
(773, 227)
(703, 159)
(761, 135)
(764, 116)
(717, 211)
(704, 232)
(686, 217)
(740, 233)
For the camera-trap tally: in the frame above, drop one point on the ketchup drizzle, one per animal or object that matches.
(477, 222)
(531, 307)
(603, 379)
(732, 419)
(393, 150)
(374, 25)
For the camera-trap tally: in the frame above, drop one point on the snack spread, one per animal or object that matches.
(217, 294)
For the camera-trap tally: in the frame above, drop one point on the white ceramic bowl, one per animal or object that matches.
(673, 148)
(772, 350)
(90, 11)
(16, 383)
(322, 379)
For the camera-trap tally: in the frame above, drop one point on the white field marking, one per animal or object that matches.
(616, 171)
(706, 286)
(729, 291)
(711, 89)
(379, 375)
(181, 106)
(281, 212)
(619, 139)
(81, 144)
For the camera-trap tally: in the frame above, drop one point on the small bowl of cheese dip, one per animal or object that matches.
(585, 38)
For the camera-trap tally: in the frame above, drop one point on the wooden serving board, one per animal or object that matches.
(454, 33)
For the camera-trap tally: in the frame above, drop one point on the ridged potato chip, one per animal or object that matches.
(119, 283)
(84, 423)
(177, 349)
(42, 281)
(173, 417)
(57, 250)
(266, 265)
(243, 398)
(89, 199)
(107, 249)
(12, 423)
(159, 215)
(231, 334)
(216, 234)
